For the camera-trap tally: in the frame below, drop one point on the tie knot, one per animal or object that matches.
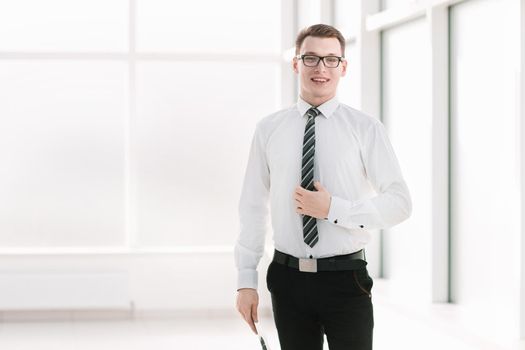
(312, 112)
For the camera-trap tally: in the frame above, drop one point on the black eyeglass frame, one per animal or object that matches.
(321, 58)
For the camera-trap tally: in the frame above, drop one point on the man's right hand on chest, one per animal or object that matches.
(247, 303)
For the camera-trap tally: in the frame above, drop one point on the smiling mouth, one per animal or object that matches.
(320, 80)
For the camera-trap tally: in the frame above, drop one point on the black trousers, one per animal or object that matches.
(308, 305)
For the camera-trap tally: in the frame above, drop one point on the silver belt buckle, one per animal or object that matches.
(308, 265)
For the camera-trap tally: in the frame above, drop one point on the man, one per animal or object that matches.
(331, 175)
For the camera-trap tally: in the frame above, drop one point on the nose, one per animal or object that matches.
(320, 66)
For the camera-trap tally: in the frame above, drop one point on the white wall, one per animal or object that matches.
(124, 134)
(485, 182)
(407, 115)
(480, 259)
(62, 149)
(107, 121)
(156, 283)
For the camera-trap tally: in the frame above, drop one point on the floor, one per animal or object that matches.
(395, 328)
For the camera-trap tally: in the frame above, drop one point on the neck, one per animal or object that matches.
(316, 101)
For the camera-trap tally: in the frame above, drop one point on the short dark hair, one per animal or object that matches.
(320, 31)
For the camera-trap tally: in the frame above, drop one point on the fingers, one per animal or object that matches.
(254, 318)
(298, 203)
(302, 192)
(249, 320)
(299, 191)
(248, 317)
(254, 313)
(247, 302)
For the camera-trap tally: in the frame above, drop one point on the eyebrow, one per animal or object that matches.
(315, 53)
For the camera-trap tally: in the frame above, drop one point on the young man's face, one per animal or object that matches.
(319, 84)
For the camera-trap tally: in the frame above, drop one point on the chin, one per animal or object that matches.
(322, 93)
(324, 90)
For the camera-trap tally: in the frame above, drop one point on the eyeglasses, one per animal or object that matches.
(313, 61)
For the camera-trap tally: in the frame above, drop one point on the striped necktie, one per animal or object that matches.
(310, 234)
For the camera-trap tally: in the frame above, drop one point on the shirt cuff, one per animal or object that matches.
(339, 212)
(247, 279)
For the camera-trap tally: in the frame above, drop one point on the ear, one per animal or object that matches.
(295, 63)
(344, 64)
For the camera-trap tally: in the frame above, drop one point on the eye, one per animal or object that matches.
(332, 59)
(310, 59)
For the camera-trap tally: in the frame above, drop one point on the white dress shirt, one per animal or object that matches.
(354, 161)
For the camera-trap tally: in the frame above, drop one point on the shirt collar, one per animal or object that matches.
(327, 108)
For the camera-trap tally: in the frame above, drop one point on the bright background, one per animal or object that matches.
(124, 134)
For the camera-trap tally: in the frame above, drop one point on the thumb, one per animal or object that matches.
(318, 186)
(254, 313)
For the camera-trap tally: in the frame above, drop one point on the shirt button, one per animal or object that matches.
(361, 226)
(335, 221)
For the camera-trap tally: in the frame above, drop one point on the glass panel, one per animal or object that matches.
(387, 4)
(485, 220)
(308, 13)
(192, 135)
(407, 116)
(347, 14)
(64, 25)
(348, 89)
(209, 26)
(62, 153)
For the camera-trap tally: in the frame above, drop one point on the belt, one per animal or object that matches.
(352, 261)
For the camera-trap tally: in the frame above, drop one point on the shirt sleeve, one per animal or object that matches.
(253, 214)
(392, 204)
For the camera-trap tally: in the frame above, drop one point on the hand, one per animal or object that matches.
(247, 302)
(312, 203)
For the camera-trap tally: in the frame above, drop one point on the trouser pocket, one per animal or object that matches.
(363, 281)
